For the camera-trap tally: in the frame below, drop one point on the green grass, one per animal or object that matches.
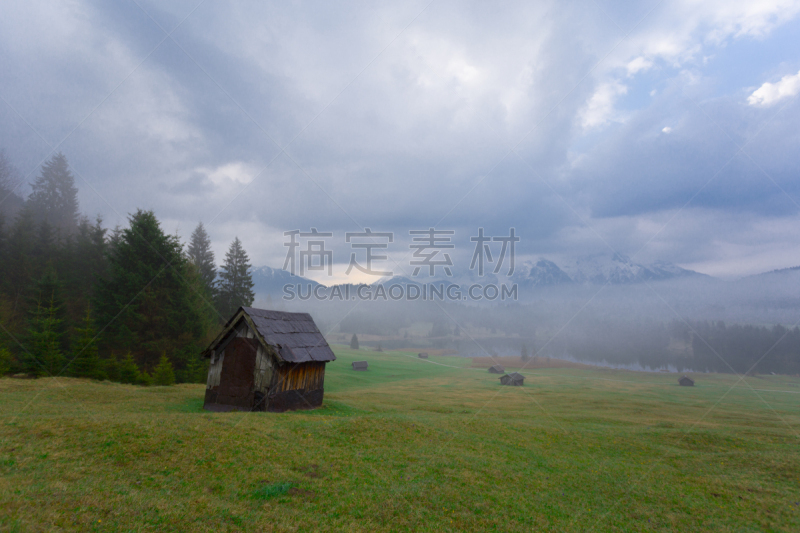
(408, 445)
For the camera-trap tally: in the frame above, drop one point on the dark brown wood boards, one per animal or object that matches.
(235, 389)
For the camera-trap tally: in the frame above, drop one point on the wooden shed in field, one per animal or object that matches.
(423, 355)
(360, 365)
(686, 381)
(497, 369)
(514, 379)
(267, 361)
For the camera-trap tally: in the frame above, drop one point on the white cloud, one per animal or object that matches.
(599, 109)
(666, 129)
(229, 174)
(639, 64)
(769, 93)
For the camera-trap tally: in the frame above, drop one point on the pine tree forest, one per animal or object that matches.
(130, 304)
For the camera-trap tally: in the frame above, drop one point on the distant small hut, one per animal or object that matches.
(497, 369)
(686, 381)
(267, 361)
(359, 365)
(514, 379)
(423, 355)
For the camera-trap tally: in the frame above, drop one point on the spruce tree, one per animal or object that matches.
(163, 374)
(45, 339)
(128, 371)
(18, 262)
(149, 297)
(196, 370)
(523, 353)
(354, 342)
(85, 361)
(54, 198)
(43, 354)
(235, 284)
(85, 262)
(200, 254)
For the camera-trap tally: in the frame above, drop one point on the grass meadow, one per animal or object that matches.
(409, 445)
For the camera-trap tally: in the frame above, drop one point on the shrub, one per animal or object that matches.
(164, 374)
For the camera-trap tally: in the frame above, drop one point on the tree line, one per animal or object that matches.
(693, 345)
(130, 304)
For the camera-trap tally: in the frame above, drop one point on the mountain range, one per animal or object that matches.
(616, 269)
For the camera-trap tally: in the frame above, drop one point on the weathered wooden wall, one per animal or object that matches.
(235, 384)
(296, 386)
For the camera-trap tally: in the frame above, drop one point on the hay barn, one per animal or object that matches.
(423, 355)
(359, 365)
(514, 379)
(497, 369)
(267, 361)
(686, 381)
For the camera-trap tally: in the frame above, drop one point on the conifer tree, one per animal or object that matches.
(128, 371)
(354, 342)
(235, 284)
(84, 263)
(523, 353)
(149, 297)
(54, 198)
(85, 361)
(200, 254)
(45, 339)
(44, 355)
(111, 368)
(196, 370)
(164, 374)
(18, 264)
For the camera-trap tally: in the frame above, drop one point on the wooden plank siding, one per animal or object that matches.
(298, 376)
(296, 386)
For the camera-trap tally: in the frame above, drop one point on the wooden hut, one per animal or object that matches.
(359, 365)
(497, 369)
(686, 381)
(423, 355)
(514, 379)
(267, 361)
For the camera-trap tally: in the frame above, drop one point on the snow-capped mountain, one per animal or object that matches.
(267, 280)
(616, 269)
(543, 273)
(619, 269)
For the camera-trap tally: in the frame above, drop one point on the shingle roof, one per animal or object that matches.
(294, 336)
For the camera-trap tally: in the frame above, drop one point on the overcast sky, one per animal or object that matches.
(661, 130)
